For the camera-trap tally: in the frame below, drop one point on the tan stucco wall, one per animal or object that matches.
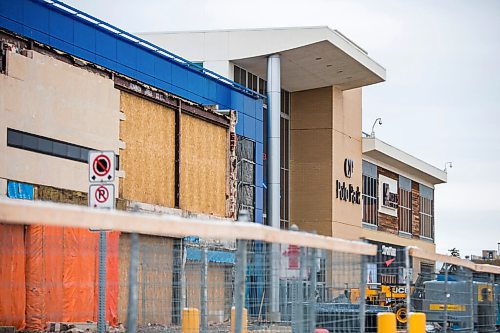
(347, 143)
(47, 97)
(311, 160)
(325, 130)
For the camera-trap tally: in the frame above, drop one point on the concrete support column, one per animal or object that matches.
(273, 172)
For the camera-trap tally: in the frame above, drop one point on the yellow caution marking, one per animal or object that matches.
(449, 307)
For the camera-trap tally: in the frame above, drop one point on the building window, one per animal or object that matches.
(258, 84)
(285, 102)
(262, 86)
(245, 154)
(240, 76)
(48, 146)
(370, 205)
(426, 212)
(285, 160)
(252, 81)
(405, 203)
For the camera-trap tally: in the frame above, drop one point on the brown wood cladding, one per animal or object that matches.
(386, 222)
(415, 209)
(389, 223)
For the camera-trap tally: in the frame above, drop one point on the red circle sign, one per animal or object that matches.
(101, 194)
(101, 165)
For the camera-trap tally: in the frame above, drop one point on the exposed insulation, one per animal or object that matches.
(232, 162)
(154, 278)
(149, 156)
(203, 166)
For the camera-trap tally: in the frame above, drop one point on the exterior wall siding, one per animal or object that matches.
(104, 47)
(311, 179)
(35, 97)
(390, 224)
(386, 222)
(204, 155)
(149, 155)
(415, 210)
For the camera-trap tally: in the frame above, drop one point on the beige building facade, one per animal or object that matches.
(325, 186)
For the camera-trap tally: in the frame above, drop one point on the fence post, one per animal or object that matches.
(312, 296)
(362, 301)
(296, 289)
(408, 286)
(300, 300)
(445, 318)
(101, 316)
(132, 287)
(471, 302)
(239, 279)
(204, 291)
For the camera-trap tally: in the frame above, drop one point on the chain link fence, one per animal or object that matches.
(456, 294)
(172, 274)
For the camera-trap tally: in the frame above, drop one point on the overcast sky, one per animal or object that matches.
(441, 101)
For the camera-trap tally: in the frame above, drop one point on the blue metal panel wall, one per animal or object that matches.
(77, 33)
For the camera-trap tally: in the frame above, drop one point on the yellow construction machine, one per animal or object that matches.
(393, 296)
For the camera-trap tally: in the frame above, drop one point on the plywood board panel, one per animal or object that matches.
(149, 157)
(203, 166)
(154, 279)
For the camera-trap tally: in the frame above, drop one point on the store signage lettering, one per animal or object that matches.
(348, 167)
(348, 192)
(389, 199)
(388, 251)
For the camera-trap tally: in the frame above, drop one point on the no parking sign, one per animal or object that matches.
(101, 166)
(102, 196)
(101, 175)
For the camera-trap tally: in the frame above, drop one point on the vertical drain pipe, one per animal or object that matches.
(273, 171)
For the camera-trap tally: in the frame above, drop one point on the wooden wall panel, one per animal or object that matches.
(154, 276)
(149, 156)
(203, 166)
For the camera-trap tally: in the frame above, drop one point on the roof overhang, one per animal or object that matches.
(398, 159)
(320, 64)
(311, 57)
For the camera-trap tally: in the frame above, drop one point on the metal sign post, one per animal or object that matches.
(101, 195)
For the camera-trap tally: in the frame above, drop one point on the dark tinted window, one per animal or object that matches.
(48, 146)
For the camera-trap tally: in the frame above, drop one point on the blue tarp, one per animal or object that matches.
(220, 257)
(17, 190)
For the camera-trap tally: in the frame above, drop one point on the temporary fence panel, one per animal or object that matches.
(188, 275)
(457, 295)
(226, 274)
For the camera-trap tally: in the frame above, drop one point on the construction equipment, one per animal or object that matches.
(393, 296)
